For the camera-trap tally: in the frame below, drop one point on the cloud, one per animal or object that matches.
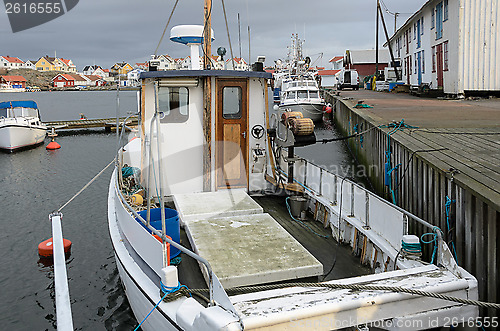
(115, 30)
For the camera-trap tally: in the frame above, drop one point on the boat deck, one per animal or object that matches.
(328, 257)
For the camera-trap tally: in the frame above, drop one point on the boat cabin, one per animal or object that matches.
(212, 128)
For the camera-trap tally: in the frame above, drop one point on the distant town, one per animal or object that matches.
(57, 73)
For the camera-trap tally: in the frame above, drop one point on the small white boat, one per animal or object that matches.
(296, 85)
(20, 125)
(301, 93)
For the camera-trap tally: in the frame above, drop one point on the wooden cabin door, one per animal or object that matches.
(231, 133)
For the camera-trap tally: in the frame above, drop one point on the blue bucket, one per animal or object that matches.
(171, 223)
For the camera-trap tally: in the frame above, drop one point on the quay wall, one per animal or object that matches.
(474, 216)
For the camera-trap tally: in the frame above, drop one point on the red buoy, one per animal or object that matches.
(45, 248)
(53, 145)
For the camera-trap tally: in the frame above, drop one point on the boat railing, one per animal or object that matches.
(217, 292)
(356, 203)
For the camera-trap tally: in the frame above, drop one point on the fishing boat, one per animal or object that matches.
(217, 225)
(20, 125)
(295, 83)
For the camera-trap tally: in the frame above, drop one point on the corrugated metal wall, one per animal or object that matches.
(480, 40)
(475, 224)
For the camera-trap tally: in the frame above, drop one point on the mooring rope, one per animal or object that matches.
(242, 290)
(86, 185)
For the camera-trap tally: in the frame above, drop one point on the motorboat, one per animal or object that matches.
(20, 125)
(217, 225)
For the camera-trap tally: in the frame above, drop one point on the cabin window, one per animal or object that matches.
(173, 102)
(302, 94)
(231, 102)
(3, 112)
(30, 112)
(313, 94)
(291, 95)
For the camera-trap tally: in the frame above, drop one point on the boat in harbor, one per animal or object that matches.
(209, 212)
(20, 125)
(296, 85)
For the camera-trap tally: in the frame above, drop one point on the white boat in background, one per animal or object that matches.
(20, 125)
(296, 85)
(208, 149)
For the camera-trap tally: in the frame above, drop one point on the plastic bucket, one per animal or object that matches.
(297, 205)
(171, 223)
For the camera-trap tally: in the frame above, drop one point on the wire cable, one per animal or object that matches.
(164, 30)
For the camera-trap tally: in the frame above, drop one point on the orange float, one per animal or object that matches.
(45, 248)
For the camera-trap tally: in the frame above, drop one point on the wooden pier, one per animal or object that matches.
(107, 123)
(447, 169)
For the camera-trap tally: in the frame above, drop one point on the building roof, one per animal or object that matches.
(336, 59)
(66, 61)
(368, 56)
(12, 59)
(65, 76)
(77, 77)
(409, 20)
(94, 77)
(328, 72)
(14, 78)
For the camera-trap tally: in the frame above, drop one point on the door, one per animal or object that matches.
(231, 133)
(439, 64)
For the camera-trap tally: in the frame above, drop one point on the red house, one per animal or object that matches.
(13, 81)
(63, 80)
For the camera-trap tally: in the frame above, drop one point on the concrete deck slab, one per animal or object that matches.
(250, 249)
(200, 206)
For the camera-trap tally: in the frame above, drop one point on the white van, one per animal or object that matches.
(348, 78)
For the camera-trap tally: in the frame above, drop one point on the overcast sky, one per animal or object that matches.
(108, 31)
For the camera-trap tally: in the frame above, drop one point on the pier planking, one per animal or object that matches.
(475, 188)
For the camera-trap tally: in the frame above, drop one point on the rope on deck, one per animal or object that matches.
(397, 289)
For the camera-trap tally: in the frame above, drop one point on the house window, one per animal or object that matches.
(439, 20)
(423, 61)
(409, 34)
(432, 18)
(422, 26)
(433, 58)
(445, 56)
(445, 9)
(416, 63)
(410, 64)
(414, 30)
(173, 102)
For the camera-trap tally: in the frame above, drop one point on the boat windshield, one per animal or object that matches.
(290, 95)
(173, 102)
(30, 112)
(313, 94)
(302, 94)
(3, 112)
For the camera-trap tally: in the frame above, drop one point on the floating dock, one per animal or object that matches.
(444, 167)
(106, 123)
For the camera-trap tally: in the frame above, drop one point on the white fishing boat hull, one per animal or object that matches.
(18, 134)
(314, 111)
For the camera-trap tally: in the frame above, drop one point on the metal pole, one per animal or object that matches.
(63, 304)
(239, 33)
(118, 113)
(389, 44)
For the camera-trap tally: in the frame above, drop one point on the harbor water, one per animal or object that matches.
(36, 182)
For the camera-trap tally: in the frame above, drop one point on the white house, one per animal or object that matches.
(133, 77)
(10, 62)
(30, 64)
(239, 64)
(163, 62)
(453, 45)
(100, 72)
(337, 62)
(89, 70)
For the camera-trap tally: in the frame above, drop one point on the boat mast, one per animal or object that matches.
(207, 98)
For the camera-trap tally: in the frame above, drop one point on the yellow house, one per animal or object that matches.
(45, 63)
(120, 68)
